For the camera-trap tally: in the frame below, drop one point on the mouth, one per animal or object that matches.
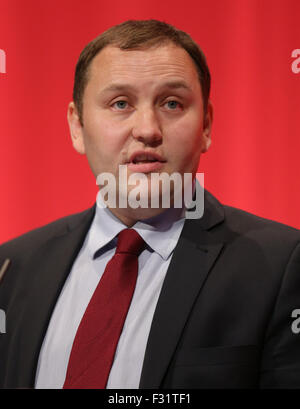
(145, 162)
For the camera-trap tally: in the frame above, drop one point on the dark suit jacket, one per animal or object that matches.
(223, 319)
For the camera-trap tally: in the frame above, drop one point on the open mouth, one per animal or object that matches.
(145, 162)
(141, 157)
(137, 161)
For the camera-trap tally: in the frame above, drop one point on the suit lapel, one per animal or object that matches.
(49, 269)
(192, 260)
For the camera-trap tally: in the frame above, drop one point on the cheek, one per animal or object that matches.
(104, 140)
(184, 140)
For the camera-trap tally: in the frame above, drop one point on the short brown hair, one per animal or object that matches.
(138, 34)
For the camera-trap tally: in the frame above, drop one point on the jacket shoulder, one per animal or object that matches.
(36, 237)
(267, 236)
(231, 219)
(241, 220)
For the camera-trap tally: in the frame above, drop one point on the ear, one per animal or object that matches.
(207, 124)
(76, 128)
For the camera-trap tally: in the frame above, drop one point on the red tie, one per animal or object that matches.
(99, 331)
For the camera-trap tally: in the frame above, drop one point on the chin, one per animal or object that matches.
(141, 213)
(144, 199)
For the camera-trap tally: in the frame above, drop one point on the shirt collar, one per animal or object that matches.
(160, 232)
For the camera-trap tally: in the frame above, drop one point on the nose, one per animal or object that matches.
(146, 126)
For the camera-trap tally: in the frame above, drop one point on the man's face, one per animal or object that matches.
(142, 101)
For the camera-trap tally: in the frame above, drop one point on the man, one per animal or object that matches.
(215, 298)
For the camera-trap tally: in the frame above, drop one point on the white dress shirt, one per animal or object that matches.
(161, 234)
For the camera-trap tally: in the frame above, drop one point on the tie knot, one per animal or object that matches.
(129, 241)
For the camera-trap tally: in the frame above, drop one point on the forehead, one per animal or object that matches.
(143, 66)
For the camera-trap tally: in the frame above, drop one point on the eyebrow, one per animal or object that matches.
(168, 84)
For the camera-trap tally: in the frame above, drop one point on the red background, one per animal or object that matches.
(254, 159)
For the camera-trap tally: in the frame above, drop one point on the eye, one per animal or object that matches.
(172, 105)
(120, 105)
